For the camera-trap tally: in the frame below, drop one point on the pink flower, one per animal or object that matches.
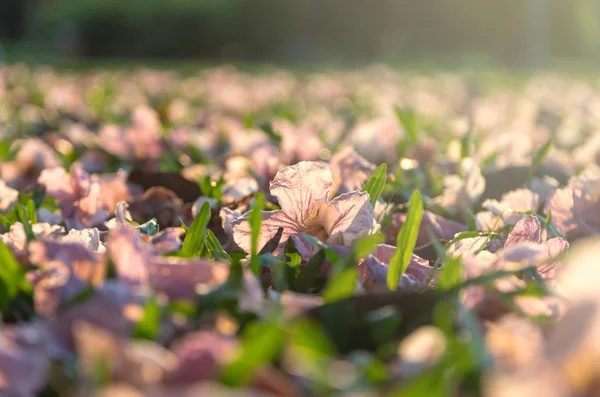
(374, 269)
(139, 264)
(79, 196)
(16, 238)
(67, 270)
(350, 170)
(8, 197)
(142, 140)
(23, 363)
(576, 208)
(302, 191)
(461, 193)
(200, 355)
(524, 248)
(511, 205)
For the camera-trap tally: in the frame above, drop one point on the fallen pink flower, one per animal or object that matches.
(374, 270)
(350, 171)
(8, 197)
(24, 364)
(79, 196)
(67, 269)
(302, 191)
(575, 208)
(200, 355)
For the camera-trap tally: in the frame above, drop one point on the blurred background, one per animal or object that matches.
(514, 33)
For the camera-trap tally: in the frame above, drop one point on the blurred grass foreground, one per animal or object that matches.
(512, 32)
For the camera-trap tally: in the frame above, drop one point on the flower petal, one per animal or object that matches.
(301, 189)
(349, 217)
(8, 197)
(350, 170)
(271, 222)
(526, 230)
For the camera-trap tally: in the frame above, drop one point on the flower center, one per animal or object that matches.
(313, 225)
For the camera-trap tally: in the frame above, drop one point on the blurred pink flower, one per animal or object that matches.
(462, 192)
(140, 141)
(200, 355)
(139, 264)
(66, 269)
(350, 170)
(16, 238)
(374, 269)
(512, 204)
(576, 208)
(136, 362)
(78, 194)
(24, 364)
(524, 248)
(34, 155)
(302, 191)
(8, 197)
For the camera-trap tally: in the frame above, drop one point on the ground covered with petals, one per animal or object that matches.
(364, 232)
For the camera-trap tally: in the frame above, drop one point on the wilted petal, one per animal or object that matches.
(526, 230)
(271, 222)
(348, 217)
(302, 189)
(89, 238)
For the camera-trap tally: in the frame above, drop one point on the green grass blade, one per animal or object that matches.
(196, 234)
(255, 219)
(376, 183)
(215, 249)
(407, 238)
